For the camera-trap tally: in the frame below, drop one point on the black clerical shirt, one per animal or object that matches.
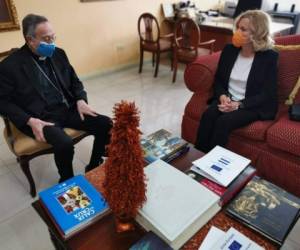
(48, 81)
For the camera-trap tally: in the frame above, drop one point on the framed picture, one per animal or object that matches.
(8, 16)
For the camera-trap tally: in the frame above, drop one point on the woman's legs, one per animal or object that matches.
(228, 122)
(206, 128)
(215, 126)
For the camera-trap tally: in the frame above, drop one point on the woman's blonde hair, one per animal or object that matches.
(260, 27)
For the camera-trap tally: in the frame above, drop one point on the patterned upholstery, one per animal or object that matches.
(199, 75)
(255, 131)
(285, 135)
(288, 73)
(273, 146)
(290, 67)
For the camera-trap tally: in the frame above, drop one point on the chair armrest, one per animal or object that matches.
(10, 136)
(208, 42)
(171, 35)
(199, 75)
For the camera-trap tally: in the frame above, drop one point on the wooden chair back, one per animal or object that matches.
(187, 38)
(148, 29)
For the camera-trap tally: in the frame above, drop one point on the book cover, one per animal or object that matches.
(150, 242)
(221, 165)
(266, 208)
(177, 206)
(161, 145)
(73, 204)
(234, 240)
(226, 194)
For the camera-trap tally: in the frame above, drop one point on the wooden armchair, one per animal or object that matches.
(152, 41)
(187, 45)
(26, 148)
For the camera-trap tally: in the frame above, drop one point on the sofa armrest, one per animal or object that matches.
(199, 75)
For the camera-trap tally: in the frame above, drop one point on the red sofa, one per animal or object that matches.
(273, 146)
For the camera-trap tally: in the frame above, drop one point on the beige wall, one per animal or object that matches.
(97, 35)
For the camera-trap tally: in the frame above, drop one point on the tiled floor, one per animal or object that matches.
(161, 104)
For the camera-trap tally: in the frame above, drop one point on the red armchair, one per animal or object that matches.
(273, 146)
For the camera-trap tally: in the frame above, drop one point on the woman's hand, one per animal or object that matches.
(224, 99)
(229, 106)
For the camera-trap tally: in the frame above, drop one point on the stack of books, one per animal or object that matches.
(73, 205)
(266, 208)
(223, 172)
(163, 145)
(177, 206)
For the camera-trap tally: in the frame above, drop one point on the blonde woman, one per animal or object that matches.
(245, 86)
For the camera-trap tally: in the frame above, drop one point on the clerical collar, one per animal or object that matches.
(42, 58)
(35, 56)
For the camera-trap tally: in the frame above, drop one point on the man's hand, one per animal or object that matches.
(37, 126)
(84, 109)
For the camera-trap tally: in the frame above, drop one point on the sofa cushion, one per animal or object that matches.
(25, 145)
(285, 135)
(288, 72)
(256, 131)
(295, 92)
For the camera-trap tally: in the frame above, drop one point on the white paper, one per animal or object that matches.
(213, 235)
(221, 165)
(168, 9)
(233, 239)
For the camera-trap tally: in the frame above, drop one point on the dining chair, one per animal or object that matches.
(187, 46)
(152, 41)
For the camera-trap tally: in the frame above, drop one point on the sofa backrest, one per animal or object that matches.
(288, 67)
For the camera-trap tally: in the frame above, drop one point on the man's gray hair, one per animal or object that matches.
(30, 22)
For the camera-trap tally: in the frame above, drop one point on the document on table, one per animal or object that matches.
(213, 235)
(220, 165)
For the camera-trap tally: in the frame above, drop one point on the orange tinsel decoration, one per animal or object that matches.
(124, 183)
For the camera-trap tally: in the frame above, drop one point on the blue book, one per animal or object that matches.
(150, 242)
(73, 205)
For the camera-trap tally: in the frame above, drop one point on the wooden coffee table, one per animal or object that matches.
(102, 234)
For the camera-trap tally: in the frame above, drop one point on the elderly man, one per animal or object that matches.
(41, 94)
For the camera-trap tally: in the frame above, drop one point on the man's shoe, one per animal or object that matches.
(89, 168)
(62, 179)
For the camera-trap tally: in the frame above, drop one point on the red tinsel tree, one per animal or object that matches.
(124, 182)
